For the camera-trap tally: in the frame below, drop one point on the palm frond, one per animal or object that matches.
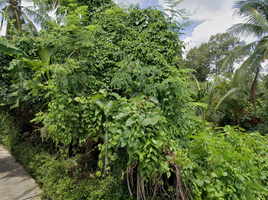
(227, 96)
(242, 51)
(255, 18)
(258, 18)
(196, 81)
(251, 64)
(244, 74)
(12, 13)
(247, 30)
(28, 29)
(38, 16)
(30, 22)
(242, 7)
(8, 9)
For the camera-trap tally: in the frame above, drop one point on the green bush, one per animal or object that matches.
(223, 164)
(9, 133)
(227, 164)
(59, 179)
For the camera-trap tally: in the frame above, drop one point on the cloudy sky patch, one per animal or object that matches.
(209, 18)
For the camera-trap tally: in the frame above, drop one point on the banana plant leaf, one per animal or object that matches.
(8, 48)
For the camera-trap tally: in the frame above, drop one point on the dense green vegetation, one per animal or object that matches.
(206, 59)
(100, 104)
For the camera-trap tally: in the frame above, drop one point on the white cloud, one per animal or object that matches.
(217, 19)
(206, 9)
(217, 24)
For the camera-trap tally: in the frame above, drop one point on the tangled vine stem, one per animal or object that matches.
(179, 185)
(70, 55)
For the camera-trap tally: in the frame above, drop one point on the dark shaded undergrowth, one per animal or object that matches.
(73, 178)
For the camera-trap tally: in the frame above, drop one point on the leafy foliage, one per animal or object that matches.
(228, 164)
(141, 67)
(112, 100)
(206, 59)
(255, 23)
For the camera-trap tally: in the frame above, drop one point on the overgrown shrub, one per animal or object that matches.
(227, 164)
(59, 179)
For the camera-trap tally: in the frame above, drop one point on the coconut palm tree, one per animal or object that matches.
(13, 10)
(255, 16)
(38, 13)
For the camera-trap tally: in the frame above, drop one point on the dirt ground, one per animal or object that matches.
(15, 182)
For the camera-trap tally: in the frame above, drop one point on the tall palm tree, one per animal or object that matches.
(14, 11)
(255, 16)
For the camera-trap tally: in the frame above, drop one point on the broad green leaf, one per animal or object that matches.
(155, 119)
(168, 157)
(100, 103)
(77, 99)
(123, 143)
(207, 179)
(154, 100)
(14, 106)
(214, 174)
(44, 54)
(95, 139)
(129, 122)
(97, 96)
(120, 115)
(113, 129)
(154, 157)
(34, 64)
(224, 173)
(135, 144)
(168, 174)
(110, 105)
(157, 143)
(100, 164)
(8, 48)
(98, 173)
(151, 121)
(141, 117)
(199, 182)
(97, 111)
(146, 122)
(116, 95)
(113, 157)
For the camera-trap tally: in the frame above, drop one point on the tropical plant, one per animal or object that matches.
(130, 73)
(227, 164)
(218, 100)
(13, 10)
(111, 87)
(254, 14)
